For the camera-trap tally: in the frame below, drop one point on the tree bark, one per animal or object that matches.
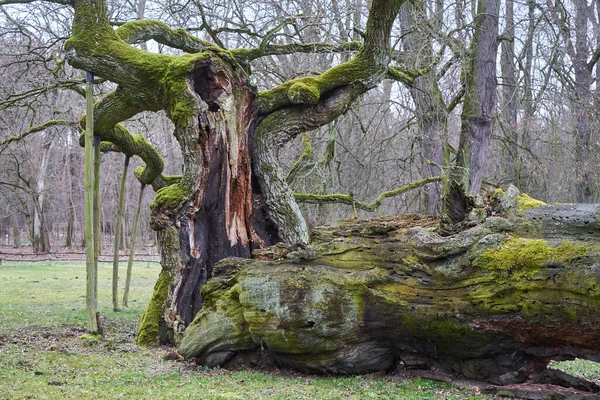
(16, 234)
(71, 171)
(582, 106)
(477, 117)
(41, 237)
(493, 303)
(430, 110)
(509, 96)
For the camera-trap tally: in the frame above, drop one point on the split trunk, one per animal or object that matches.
(215, 211)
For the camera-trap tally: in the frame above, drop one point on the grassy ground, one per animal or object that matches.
(42, 355)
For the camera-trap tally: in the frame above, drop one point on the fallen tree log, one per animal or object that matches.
(493, 303)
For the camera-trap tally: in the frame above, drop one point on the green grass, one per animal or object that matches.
(42, 354)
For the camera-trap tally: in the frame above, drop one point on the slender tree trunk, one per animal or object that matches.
(41, 237)
(477, 117)
(91, 264)
(16, 234)
(528, 106)
(71, 211)
(132, 249)
(583, 106)
(117, 243)
(69, 231)
(430, 109)
(509, 95)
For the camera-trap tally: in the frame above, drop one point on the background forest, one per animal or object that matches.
(544, 141)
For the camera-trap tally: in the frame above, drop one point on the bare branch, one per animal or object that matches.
(208, 28)
(14, 99)
(38, 128)
(351, 201)
(455, 100)
(245, 56)
(7, 2)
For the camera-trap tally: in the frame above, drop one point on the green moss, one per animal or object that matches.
(498, 193)
(524, 202)
(516, 258)
(304, 92)
(311, 88)
(534, 309)
(91, 337)
(170, 196)
(221, 322)
(266, 167)
(450, 330)
(149, 325)
(570, 313)
(569, 250)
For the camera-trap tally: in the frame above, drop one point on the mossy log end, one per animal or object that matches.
(493, 303)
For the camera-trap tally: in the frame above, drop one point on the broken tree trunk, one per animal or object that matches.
(493, 303)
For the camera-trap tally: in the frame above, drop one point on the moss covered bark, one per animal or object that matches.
(154, 315)
(493, 303)
(150, 324)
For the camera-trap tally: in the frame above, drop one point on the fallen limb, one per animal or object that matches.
(349, 199)
(494, 303)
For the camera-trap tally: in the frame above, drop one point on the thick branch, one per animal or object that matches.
(275, 130)
(368, 68)
(351, 201)
(94, 46)
(160, 181)
(134, 32)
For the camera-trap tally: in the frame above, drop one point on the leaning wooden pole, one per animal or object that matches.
(115, 276)
(91, 265)
(132, 248)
